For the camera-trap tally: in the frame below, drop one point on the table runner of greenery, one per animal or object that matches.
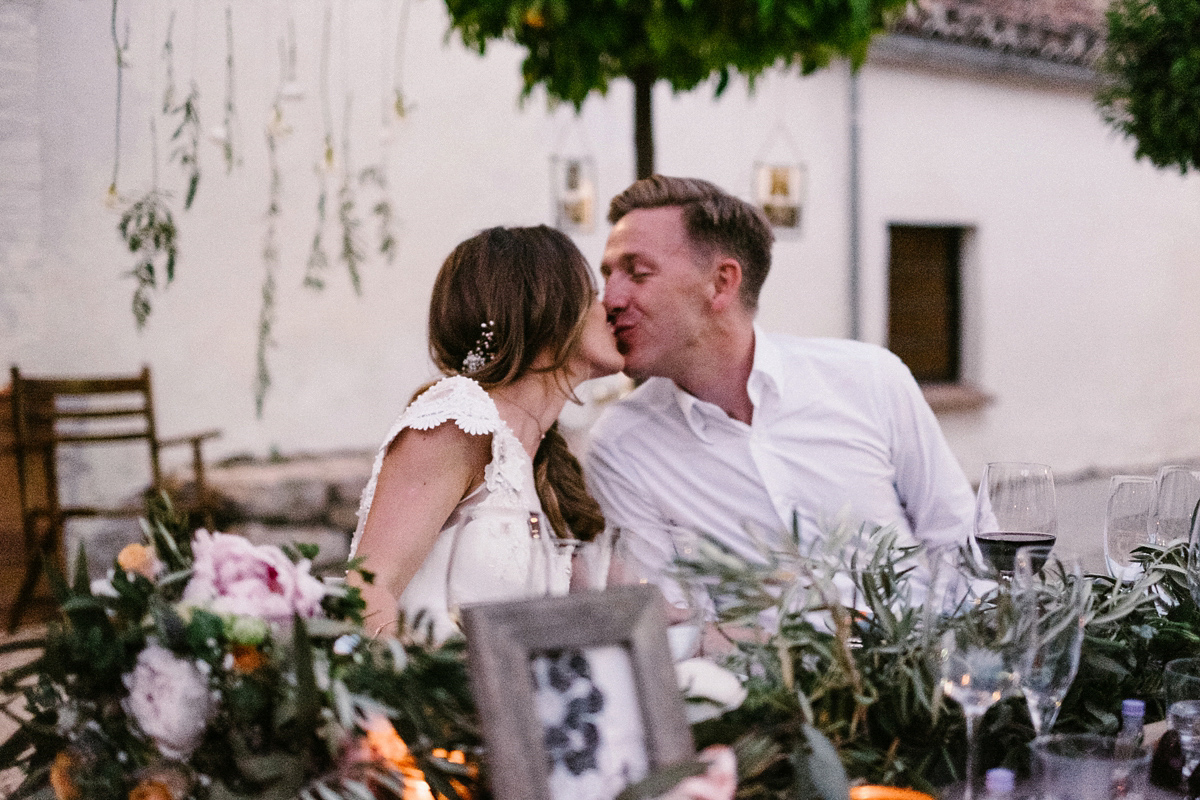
(859, 670)
(309, 705)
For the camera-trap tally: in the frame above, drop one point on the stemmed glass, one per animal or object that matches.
(472, 572)
(1053, 601)
(1176, 492)
(1181, 689)
(1193, 559)
(1126, 523)
(560, 564)
(1015, 507)
(978, 648)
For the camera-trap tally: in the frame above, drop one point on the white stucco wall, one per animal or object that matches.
(1081, 276)
(1082, 270)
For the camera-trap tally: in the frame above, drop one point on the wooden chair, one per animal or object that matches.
(52, 413)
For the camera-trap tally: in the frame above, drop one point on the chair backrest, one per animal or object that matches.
(49, 412)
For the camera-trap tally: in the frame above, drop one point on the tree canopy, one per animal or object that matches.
(575, 47)
(1152, 62)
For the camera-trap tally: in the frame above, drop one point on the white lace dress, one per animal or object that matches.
(497, 544)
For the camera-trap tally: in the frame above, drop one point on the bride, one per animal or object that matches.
(474, 471)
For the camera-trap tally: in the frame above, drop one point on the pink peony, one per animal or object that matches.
(232, 576)
(169, 699)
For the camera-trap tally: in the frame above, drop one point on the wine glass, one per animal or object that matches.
(497, 554)
(1126, 523)
(976, 646)
(1015, 507)
(1052, 600)
(1193, 560)
(979, 666)
(560, 563)
(1176, 492)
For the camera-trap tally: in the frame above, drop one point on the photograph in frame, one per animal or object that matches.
(577, 695)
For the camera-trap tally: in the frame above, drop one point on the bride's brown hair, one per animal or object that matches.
(507, 295)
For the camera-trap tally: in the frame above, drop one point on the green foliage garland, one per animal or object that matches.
(862, 674)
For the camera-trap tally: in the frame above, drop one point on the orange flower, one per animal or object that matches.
(534, 19)
(151, 790)
(247, 657)
(386, 744)
(140, 559)
(60, 777)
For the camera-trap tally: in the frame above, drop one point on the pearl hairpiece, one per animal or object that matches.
(484, 350)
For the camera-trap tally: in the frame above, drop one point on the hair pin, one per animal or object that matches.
(484, 350)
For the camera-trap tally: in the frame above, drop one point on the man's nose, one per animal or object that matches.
(614, 294)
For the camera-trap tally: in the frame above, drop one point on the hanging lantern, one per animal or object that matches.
(574, 193)
(780, 181)
(779, 190)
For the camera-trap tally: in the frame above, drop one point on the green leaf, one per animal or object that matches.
(308, 700)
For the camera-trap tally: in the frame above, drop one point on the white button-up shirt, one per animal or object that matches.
(840, 431)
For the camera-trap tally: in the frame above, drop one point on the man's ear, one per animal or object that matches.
(726, 284)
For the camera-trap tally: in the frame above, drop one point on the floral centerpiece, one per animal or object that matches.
(215, 668)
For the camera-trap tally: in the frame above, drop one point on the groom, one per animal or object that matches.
(734, 430)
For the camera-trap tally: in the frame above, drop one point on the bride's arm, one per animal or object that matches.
(423, 477)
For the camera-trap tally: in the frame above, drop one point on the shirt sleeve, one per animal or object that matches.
(930, 483)
(644, 541)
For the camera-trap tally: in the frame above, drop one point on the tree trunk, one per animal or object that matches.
(643, 123)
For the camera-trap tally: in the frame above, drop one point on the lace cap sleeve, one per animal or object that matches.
(455, 398)
(465, 402)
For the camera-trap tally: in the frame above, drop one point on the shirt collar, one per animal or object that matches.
(766, 378)
(767, 373)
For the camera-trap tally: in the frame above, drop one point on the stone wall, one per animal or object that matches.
(311, 498)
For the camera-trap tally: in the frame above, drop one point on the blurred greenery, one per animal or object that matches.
(1152, 70)
(574, 48)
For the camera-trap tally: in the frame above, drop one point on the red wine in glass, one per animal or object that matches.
(999, 548)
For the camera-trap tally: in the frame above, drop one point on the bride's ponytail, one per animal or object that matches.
(565, 499)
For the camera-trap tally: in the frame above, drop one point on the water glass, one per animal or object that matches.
(1184, 718)
(1181, 680)
(1084, 766)
(560, 564)
(1193, 560)
(1126, 523)
(1176, 492)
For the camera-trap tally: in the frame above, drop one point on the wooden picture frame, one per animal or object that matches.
(507, 643)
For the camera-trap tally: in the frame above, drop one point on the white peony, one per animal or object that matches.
(709, 689)
(169, 700)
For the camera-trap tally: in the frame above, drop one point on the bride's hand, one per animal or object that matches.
(719, 781)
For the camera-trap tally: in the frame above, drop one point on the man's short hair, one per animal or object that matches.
(713, 219)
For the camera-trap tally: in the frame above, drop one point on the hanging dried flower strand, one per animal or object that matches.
(148, 230)
(226, 133)
(318, 258)
(120, 50)
(186, 137)
(351, 253)
(270, 257)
